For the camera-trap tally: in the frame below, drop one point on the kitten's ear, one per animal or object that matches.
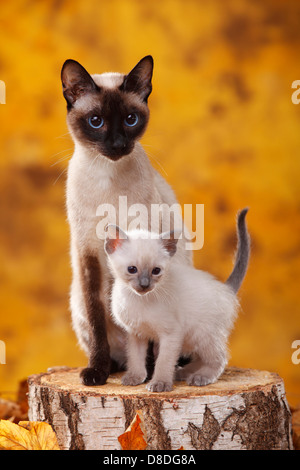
(76, 81)
(169, 241)
(139, 79)
(115, 237)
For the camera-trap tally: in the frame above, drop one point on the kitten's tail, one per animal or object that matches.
(242, 256)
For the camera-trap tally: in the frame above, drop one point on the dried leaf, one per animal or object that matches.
(134, 436)
(27, 435)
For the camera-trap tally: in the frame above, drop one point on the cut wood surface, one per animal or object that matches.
(244, 409)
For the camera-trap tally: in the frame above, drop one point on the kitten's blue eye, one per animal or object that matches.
(132, 269)
(131, 120)
(156, 271)
(96, 122)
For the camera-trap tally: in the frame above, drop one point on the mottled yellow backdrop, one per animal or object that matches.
(223, 131)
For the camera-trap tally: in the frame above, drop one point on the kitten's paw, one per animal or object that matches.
(92, 376)
(159, 386)
(199, 380)
(133, 379)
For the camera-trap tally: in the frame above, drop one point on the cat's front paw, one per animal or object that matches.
(92, 376)
(133, 379)
(159, 386)
(200, 380)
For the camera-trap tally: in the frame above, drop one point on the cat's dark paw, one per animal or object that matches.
(91, 376)
(159, 386)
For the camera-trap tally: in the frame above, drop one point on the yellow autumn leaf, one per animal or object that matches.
(27, 435)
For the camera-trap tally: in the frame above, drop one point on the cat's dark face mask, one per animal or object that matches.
(108, 119)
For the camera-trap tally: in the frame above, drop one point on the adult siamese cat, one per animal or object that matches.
(182, 309)
(106, 114)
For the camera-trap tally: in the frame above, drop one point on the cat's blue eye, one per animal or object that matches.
(96, 122)
(132, 269)
(156, 271)
(131, 120)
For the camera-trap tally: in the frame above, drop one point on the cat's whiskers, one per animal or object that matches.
(152, 157)
(63, 135)
(162, 294)
(92, 163)
(60, 160)
(61, 173)
(61, 151)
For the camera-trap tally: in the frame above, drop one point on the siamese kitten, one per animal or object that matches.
(106, 114)
(182, 309)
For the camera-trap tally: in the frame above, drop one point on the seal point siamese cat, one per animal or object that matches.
(106, 115)
(182, 309)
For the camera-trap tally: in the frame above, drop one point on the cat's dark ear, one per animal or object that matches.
(139, 79)
(169, 241)
(115, 237)
(76, 81)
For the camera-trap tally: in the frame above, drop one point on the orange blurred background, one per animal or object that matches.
(223, 131)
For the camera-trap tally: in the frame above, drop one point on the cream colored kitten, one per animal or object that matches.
(182, 309)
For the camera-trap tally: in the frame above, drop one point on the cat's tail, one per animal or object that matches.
(242, 255)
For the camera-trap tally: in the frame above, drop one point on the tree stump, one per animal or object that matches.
(245, 409)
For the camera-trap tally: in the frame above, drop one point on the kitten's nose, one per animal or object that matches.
(144, 282)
